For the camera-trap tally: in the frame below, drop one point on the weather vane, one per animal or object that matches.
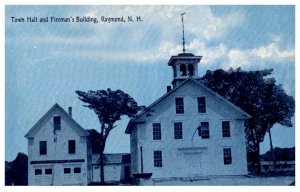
(183, 41)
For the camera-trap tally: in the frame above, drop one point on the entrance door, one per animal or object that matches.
(193, 164)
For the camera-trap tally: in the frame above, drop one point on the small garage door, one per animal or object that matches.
(43, 175)
(72, 174)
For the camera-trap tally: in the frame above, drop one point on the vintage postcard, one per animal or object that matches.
(150, 95)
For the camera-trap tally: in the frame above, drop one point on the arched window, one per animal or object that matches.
(191, 70)
(183, 70)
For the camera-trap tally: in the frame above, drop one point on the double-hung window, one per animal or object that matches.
(179, 105)
(201, 105)
(227, 156)
(157, 156)
(203, 130)
(178, 130)
(225, 128)
(156, 131)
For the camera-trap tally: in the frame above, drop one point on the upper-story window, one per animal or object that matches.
(178, 130)
(190, 70)
(43, 147)
(72, 146)
(203, 130)
(225, 128)
(201, 105)
(57, 122)
(179, 105)
(182, 70)
(227, 156)
(156, 131)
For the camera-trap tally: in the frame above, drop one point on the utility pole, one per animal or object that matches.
(272, 150)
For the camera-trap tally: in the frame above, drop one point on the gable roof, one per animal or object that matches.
(37, 126)
(137, 119)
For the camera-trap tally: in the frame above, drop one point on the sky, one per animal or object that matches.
(46, 62)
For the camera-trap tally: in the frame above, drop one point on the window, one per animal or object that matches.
(201, 105)
(77, 170)
(191, 70)
(157, 156)
(67, 170)
(48, 171)
(72, 147)
(56, 122)
(183, 70)
(178, 130)
(38, 171)
(225, 128)
(43, 147)
(227, 156)
(179, 105)
(156, 131)
(203, 130)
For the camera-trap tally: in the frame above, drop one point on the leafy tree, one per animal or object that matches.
(16, 171)
(109, 106)
(256, 93)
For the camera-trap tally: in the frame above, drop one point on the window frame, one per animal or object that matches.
(178, 130)
(227, 156)
(205, 133)
(75, 170)
(156, 131)
(71, 150)
(226, 132)
(179, 106)
(201, 104)
(38, 170)
(67, 172)
(157, 159)
(48, 169)
(43, 147)
(57, 123)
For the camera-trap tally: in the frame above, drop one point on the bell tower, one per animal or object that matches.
(184, 65)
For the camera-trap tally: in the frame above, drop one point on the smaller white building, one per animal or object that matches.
(59, 151)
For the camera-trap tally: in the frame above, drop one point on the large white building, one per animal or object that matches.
(191, 131)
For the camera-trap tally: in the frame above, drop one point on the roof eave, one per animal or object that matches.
(170, 63)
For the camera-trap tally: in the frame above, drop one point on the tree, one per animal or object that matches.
(257, 94)
(16, 171)
(109, 106)
(94, 137)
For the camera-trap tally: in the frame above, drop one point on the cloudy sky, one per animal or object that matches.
(47, 62)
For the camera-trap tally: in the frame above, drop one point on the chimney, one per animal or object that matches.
(70, 111)
(169, 88)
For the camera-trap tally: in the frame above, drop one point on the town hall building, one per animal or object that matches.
(191, 131)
